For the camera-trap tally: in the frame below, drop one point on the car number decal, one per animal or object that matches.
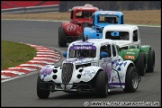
(71, 28)
(129, 57)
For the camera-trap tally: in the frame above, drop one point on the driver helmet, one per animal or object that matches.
(87, 14)
(125, 36)
(110, 19)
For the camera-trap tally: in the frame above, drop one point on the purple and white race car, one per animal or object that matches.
(91, 65)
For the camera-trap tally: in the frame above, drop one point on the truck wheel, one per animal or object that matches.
(140, 63)
(42, 94)
(132, 80)
(62, 37)
(151, 61)
(101, 86)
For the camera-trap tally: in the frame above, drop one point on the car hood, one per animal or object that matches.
(79, 21)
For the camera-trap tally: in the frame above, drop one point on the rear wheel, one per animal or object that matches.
(62, 37)
(132, 80)
(141, 64)
(42, 94)
(151, 61)
(101, 86)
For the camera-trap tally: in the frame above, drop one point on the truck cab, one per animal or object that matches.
(100, 20)
(123, 35)
(128, 38)
(70, 31)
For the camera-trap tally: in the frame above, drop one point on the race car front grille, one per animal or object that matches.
(67, 71)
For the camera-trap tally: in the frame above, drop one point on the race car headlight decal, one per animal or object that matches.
(79, 76)
(54, 76)
(46, 70)
(80, 70)
(54, 70)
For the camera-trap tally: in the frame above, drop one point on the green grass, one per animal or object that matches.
(13, 54)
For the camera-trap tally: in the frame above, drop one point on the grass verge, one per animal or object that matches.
(13, 54)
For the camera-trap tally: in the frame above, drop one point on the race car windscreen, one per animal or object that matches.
(84, 14)
(117, 35)
(108, 19)
(82, 51)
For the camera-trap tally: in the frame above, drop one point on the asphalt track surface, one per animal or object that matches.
(21, 92)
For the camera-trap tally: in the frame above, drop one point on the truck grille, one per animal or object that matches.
(67, 71)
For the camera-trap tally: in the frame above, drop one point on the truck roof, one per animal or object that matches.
(84, 8)
(108, 13)
(120, 27)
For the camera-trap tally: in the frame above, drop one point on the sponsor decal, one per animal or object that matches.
(88, 73)
(130, 53)
(71, 28)
(83, 43)
(81, 47)
(129, 57)
(47, 70)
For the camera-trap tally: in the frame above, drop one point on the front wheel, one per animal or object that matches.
(132, 80)
(42, 94)
(101, 86)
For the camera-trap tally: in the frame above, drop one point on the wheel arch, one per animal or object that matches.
(85, 76)
(130, 54)
(145, 49)
(128, 66)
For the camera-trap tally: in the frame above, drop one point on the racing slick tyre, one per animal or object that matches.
(42, 94)
(101, 85)
(140, 63)
(62, 39)
(132, 79)
(151, 61)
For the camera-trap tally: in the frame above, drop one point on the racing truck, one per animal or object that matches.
(100, 20)
(70, 31)
(127, 37)
(90, 65)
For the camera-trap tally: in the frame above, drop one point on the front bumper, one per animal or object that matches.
(78, 87)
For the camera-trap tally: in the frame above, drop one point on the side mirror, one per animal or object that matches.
(64, 54)
(103, 54)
